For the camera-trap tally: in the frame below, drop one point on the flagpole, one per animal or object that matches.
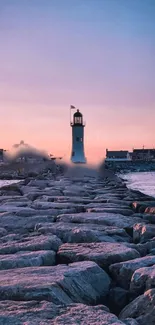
(71, 107)
(70, 114)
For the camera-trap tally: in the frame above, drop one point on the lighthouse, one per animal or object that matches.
(77, 155)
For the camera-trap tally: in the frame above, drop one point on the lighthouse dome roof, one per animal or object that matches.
(77, 114)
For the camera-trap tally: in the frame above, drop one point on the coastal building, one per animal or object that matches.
(77, 154)
(122, 155)
(30, 157)
(143, 154)
(1, 155)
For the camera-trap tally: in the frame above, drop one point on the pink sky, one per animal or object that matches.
(100, 58)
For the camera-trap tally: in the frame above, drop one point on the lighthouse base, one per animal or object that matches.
(78, 159)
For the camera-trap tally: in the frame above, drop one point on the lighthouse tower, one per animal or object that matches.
(77, 155)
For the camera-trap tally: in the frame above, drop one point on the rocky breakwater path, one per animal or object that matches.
(76, 251)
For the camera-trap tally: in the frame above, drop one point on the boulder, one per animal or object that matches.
(142, 206)
(123, 211)
(18, 210)
(142, 309)
(41, 184)
(96, 205)
(21, 259)
(38, 204)
(78, 233)
(149, 218)
(20, 224)
(130, 321)
(104, 254)
(83, 282)
(122, 272)
(108, 219)
(143, 232)
(118, 298)
(145, 248)
(150, 210)
(142, 280)
(3, 232)
(11, 189)
(47, 313)
(35, 243)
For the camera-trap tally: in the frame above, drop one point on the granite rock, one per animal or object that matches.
(108, 219)
(47, 313)
(143, 279)
(122, 272)
(25, 259)
(104, 254)
(142, 309)
(33, 243)
(83, 282)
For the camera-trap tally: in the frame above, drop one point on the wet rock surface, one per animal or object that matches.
(76, 250)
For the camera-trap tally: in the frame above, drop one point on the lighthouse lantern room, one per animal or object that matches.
(78, 155)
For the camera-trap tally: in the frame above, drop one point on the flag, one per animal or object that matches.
(72, 107)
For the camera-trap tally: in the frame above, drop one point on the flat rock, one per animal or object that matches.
(142, 309)
(104, 254)
(124, 212)
(25, 189)
(106, 205)
(108, 219)
(66, 199)
(21, 259)
(35, 243)
(5, 198)
(13, 222)
(24, 211)
(83, 282)
(78, 233)
(149, 217)
(143, 279)
(55, 205)
(47, 313)
(122, 272)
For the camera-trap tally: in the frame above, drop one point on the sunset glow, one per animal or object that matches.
(98, 55)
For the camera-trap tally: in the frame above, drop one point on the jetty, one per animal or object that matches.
(77, 247)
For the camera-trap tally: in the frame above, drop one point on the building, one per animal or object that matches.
(77, 154)
(122, 155)
(2, 155)
(143, 154)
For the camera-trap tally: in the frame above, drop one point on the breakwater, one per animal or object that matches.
(76, 250)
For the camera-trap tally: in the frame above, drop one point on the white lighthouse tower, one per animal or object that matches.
(77, 155)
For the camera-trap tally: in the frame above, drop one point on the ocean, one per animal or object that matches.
(144, 182)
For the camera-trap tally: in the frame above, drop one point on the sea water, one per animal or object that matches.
(7, 182)
(142, 181)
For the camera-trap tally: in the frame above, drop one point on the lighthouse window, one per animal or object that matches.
(78, 120)
(77, 138)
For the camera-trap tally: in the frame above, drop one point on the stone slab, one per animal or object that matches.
(83, 282)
